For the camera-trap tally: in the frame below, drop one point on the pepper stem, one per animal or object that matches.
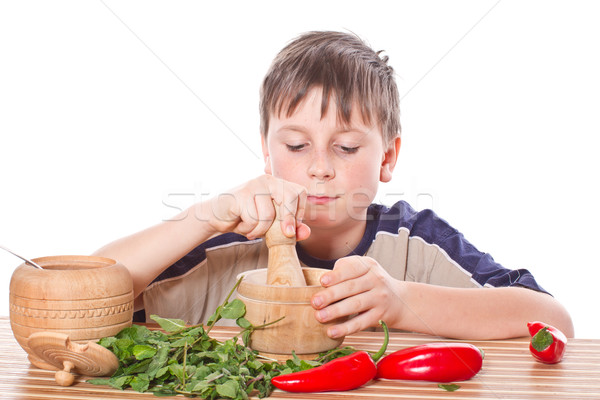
(386, 340)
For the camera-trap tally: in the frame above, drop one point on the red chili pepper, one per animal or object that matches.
(437, 362)
(344, 373)
(548, 344)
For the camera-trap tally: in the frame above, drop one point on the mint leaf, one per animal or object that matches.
(243, 323)
(120, 382)
(140, 383)
(234, 310)
(228, 389)
(158, 361)
(141, 352)
(169, 325)
(177, 371)
(107, 341)
(449, 387)
(98, 381)
(184, 341)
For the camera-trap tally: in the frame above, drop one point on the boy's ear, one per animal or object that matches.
(389, 161)
(265, 150)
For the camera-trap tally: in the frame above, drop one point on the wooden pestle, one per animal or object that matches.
(283, 267)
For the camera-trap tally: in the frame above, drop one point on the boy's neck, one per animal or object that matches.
(333, 243)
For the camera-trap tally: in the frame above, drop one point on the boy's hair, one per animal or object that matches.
(349, 72)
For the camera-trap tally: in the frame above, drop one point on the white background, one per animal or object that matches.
(114, 113)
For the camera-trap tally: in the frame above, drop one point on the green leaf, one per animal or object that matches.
(542, 339)
(449, 387)
(234, 309)
(228, 389)
(307, 364)
(195, 332)
(201, 386)
(184, 341)
(141, 351)
(246, 336)
(120, 382)
(214, 376)
(107, 341)
(159, 360)
(98, 381)
(161, 372)
(255, 364)
(122, 348)
(140, 383)
(169, 325)
(202, 372)
(136, 368)
(177, 371)
(243, 323)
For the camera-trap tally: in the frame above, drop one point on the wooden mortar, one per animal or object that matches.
(84, 297)
(299, 330)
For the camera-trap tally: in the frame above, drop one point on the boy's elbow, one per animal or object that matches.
(565, 323)
(560, 318)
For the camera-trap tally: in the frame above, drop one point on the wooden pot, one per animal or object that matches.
(299, 331)
(84, 297)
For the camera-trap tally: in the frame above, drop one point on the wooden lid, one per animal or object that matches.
(57, 349)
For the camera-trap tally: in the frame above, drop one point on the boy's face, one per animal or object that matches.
(340, 166)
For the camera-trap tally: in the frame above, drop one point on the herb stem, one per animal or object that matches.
(184, 362)
(218, 316)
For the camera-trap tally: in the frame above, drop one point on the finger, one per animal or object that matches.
(302, 231)
(347, 268)
(248, 216)
(265, 215)
(348, 306)
(291, 199)
(288, 221)
(301, 206)
(341, 291)
(288, 210)
(358, 323)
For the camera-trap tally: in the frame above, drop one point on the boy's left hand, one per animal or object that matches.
(357, 285)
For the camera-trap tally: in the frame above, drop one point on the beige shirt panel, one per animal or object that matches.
(195, 295)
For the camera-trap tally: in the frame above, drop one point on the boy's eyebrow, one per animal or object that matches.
(344, 129)
(292, 127)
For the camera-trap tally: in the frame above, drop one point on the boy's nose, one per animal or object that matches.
(321, 167)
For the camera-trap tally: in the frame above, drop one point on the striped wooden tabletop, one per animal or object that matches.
(509, 372)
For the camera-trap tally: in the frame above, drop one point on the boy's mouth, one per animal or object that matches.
(319, 200)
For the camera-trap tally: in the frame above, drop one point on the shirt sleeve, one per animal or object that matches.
(483, 268)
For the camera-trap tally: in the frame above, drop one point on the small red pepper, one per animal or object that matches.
(436, 362)
(548, 344)
(344, 373)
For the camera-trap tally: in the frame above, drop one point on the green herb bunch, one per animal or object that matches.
(186, 360)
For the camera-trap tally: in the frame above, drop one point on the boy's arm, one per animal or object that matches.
(477, 313)
(247, 210)
(149, 252)
(359, 285)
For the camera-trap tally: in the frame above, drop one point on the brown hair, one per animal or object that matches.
(346, 68)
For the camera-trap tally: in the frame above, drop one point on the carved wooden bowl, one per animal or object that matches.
(299, 331)
(84, 297)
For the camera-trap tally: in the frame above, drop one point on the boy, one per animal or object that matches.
(330, 132)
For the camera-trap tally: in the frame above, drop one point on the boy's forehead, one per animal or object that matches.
(312, 104)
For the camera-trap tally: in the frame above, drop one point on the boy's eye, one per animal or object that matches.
(349, 150)
(296, 147)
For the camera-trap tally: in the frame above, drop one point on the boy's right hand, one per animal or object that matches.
(249, 209)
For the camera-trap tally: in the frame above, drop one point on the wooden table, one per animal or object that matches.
(509, 372)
